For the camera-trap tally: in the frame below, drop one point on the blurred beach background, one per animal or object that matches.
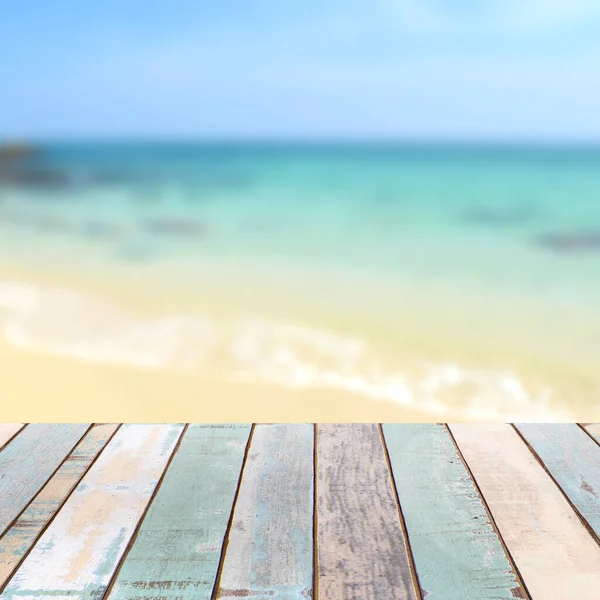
(348, 212)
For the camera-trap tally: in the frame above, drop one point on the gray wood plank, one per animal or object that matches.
(362, 554)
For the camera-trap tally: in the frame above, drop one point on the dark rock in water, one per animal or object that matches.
(175, 227)
(497, 218)
(11, 151)
(571, 242)
(39, 178)
(101, 229)
(28, 175)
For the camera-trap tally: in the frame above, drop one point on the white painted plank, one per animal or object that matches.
(22, 534)
(78, 553)
(556, 556)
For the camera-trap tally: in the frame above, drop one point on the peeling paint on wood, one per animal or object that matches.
(178, 547)
(361, 550)
(456, 550)
(8, 430)
(23, 533)
(555, 554)
(78, 553)
(270, 549)
(28, 461)
(573, 460)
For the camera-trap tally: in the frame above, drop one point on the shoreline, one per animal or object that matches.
(33, 378)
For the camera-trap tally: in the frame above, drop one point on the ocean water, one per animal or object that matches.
(455, 279)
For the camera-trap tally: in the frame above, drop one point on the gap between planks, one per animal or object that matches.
(489, 513)
(13, 435)
(52, 474)
(225, 544)
(583, 520)
(132, 539)
(65, 499)
(409, 552)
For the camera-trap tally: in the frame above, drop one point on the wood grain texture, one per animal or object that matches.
(178, 547)
(19, 538)
(8, 430)
(556, 556)
(270, 547)
(573, 460)
(28, 461)
(361, 549)
(456, 550)
(594, 430)
(78, 553)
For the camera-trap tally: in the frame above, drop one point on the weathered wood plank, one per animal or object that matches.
(573, 460)
(178, 547)
(362, 554)
(456, 550)
(270, 548)
(19, 538)
(556, 556)
(7, 431)
(593, 429)
(29, 460)
(78, 553)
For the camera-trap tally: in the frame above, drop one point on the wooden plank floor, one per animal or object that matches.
(336, 511)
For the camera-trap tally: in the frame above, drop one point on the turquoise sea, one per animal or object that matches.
(428, 275)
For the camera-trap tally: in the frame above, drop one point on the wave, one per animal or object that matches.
(258, 350)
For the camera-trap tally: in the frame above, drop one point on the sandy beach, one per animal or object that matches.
(51, 383)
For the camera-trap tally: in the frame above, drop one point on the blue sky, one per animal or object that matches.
(500, 69)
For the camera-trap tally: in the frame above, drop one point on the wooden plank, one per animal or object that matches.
(270, 547)
(593, 429)
(456, 550)
(29, 460)
(178, 547)
(362, 554)
(7, 431)
(78, 553)
(22, 534)
(556, 556)
(573, 460)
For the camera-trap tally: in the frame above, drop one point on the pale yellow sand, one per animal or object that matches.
(37, 386)
(35, 389)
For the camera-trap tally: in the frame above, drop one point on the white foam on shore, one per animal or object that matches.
(259, 351)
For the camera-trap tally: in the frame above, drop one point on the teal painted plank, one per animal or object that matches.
(29, 460)
(456, 550)
(573, 460)
(178, 547)
(20, 537)
(270, 548)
